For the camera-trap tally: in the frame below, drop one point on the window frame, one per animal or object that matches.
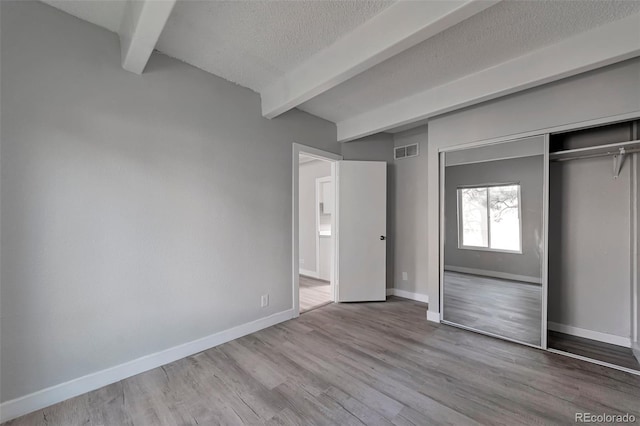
(461, 246)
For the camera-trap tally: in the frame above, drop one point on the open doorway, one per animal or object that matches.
(314, 228)
(316, 215)
(353, 199)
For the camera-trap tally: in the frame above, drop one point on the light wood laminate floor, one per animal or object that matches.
(313, 293)
(358, 363)
(505, 308)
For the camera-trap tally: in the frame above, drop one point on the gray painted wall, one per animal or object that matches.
(309, 172)
(138, 212)
(523, 147)
(528, 171)
(326, 258)
(410, 207)
(378, 148)
(598, 94)
(589, 262)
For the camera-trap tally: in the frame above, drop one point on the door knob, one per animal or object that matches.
(382, 237)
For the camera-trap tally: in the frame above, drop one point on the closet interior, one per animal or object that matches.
(593, 244)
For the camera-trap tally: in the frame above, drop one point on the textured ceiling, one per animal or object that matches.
(104, 13)
(502, 32)
(252, 43)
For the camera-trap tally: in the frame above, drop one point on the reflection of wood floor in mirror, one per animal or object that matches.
(313, 293)
(506, 308)
(606, 352)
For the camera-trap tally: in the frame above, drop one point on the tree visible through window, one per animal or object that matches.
(489, 217)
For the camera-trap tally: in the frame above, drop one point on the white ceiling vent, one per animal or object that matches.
(406, 151)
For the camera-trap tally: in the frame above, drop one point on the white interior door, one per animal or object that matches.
(362, 213)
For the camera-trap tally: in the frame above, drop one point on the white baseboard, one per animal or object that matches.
(494, 274)
(594, 361)
(58, 393)
(419, 297)
(307, 273)
(589, 334)
(433, 316)
(390, 292)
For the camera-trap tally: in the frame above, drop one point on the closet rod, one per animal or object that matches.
(600, 150)
(616, 150)
(603, 154)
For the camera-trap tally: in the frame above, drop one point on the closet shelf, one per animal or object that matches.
(617, 150)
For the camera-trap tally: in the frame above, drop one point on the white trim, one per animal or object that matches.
(635, 282)
(433, 316)
(397, 28)
(418, 297)
(63, 391)
(488, 249)
(441, 231)
(335, 277)
(596, 48)
(590, 334)
(570, 127)
(636, 351)
(140, 28)
(390, 291)
(545, 247)
(310, 274)
(316, 234)
(296, 150)
(594, 361)
(493, 274)
(487, 333)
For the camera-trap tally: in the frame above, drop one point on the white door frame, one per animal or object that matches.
(295, 231)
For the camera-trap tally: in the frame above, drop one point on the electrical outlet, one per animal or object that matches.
(405, 276)
(264, 301)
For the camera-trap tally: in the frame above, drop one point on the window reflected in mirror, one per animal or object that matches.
(489, 217)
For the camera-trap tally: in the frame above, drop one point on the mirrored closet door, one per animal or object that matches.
(493, 204)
